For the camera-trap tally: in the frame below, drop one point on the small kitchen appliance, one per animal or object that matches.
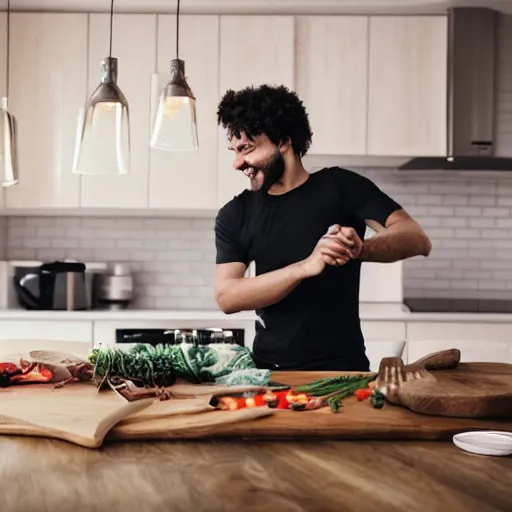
(113, 289)
(52, 286)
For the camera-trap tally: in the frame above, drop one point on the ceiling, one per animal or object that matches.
(259, 6)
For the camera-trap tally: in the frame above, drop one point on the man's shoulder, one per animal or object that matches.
(338, 173)
(236, 207)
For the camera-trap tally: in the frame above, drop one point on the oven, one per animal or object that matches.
(156, 336)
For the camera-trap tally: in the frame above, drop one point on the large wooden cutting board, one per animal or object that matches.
(357, 420)
(79, 414)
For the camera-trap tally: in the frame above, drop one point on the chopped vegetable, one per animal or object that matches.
(363, 393)
(334, 389)
(377, 400)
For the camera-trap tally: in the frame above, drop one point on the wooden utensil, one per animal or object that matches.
(393, 374)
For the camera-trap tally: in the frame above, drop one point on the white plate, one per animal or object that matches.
(485, 442)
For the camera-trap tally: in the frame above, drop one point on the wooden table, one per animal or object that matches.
(40, 475)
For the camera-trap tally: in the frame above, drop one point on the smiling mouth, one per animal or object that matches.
(250, 173)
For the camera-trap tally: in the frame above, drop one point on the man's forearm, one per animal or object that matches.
(394, 244)
(250, 293)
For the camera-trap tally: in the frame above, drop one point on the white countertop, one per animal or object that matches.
(243, 317)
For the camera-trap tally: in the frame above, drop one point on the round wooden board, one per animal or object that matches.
(472, 390)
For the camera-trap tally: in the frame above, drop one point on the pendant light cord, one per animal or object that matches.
(178, 30)
(8, 43)
(111, 25)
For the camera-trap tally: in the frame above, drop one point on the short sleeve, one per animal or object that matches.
(229, 234)
(366, 199)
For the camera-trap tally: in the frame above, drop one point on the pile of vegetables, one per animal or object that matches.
(332, 390)
(320, 393)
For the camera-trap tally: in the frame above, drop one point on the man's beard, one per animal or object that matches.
(272, 171)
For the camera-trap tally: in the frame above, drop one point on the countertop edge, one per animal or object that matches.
(236, 318)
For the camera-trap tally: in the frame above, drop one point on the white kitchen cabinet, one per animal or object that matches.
(384, 338)
(48, 70)
(188, 179)
(478, 341)
(134, 45)
(254, 50)
(331, 63)
(407, 95)
(19, 337)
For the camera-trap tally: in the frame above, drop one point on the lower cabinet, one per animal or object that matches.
(19, 337)
(478, 341)
(384, 339)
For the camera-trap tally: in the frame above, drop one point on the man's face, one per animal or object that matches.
(259, 159)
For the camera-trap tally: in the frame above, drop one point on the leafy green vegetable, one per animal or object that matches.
(377, 400)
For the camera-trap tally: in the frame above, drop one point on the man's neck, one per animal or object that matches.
(293, 177)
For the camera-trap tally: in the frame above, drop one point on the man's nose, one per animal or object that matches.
(239, 163)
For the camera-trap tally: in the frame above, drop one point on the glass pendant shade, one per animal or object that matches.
(103, 135)
(8, 146)
(175, 126)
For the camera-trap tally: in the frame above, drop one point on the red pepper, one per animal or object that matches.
(363, 393)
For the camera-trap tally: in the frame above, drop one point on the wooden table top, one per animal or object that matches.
(45, 475)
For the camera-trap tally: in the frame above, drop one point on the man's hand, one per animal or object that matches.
(335, 248)
(349, 238)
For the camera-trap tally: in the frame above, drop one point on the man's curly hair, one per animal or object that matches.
(274, 111)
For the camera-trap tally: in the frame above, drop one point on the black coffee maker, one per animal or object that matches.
(53, 286)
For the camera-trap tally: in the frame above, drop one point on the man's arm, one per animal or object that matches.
(401, 238)
(234, 292)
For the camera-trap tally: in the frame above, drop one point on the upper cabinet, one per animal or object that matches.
(188, 179)
(372, 85)
(407, 94)
(332, 81)
(254, 50)
(48, 66)
(134, 45)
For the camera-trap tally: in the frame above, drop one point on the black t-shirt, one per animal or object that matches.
(317, 325)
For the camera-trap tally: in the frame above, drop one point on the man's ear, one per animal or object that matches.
(285, 146)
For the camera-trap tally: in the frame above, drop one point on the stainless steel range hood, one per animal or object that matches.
(471, 95)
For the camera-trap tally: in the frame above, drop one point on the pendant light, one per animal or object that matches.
(175, 126)
(8, 130)
(103, 132)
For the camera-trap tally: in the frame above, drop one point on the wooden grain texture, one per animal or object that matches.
(193, 419)
(472, 390)
(231, 476)
(357, 420)
(78, 414)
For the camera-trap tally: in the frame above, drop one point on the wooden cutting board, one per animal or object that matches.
(357, 420)
(478, 390)
(79, 414)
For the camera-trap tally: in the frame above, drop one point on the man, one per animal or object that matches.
(305, 233)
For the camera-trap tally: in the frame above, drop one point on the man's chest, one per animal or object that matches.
(280, 234)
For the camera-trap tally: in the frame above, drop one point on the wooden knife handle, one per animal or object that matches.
(443, 360)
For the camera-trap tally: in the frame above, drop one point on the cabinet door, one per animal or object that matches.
(478, 341)
(47, 73)
(136, 62)
(332, 78)
(188, 179)
(3, 77)
(407, 97)
(254, 50)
